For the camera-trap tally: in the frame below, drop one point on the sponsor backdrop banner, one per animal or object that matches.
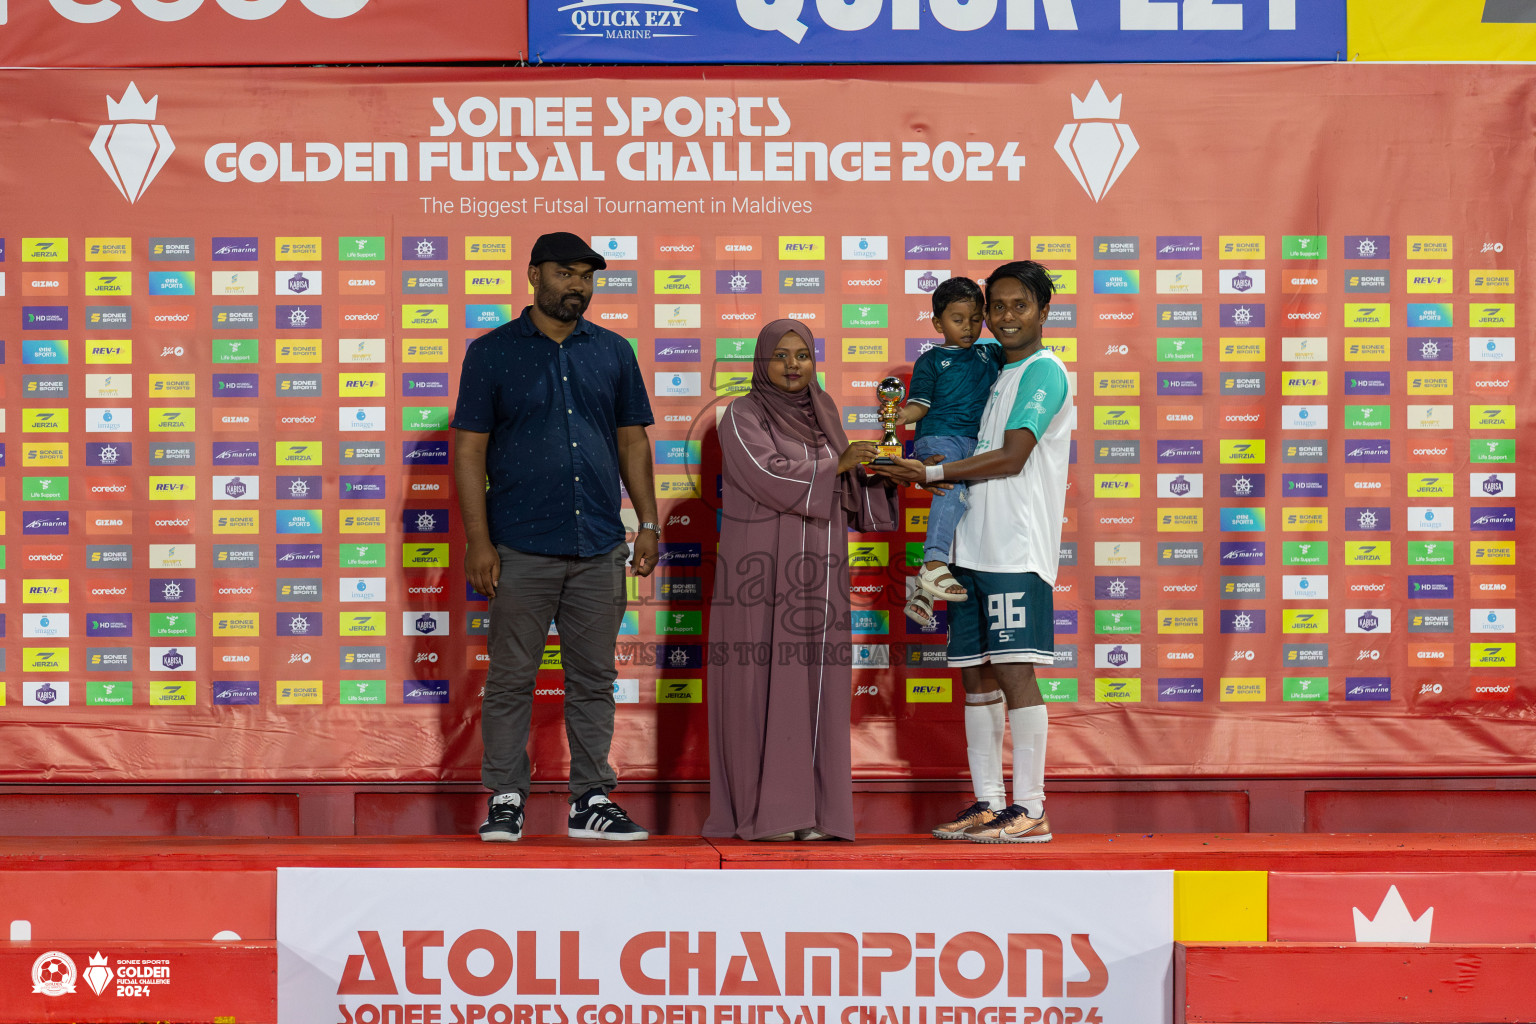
(158, 33)
(938, 31)
(702, 947)
(1476, 30)
(235, 305)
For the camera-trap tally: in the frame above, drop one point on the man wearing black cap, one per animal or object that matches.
(553, 409)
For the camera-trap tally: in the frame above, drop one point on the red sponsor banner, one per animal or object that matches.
(111, 34)
(406, 167)
(1408, 906)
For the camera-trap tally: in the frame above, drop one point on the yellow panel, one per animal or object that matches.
(1437, 30)
(1221, 906)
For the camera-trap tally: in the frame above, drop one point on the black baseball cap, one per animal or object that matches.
(564, 247)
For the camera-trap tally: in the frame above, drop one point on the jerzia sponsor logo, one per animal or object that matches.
(131, 149)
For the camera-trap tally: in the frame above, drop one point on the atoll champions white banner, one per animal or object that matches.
(364, 946)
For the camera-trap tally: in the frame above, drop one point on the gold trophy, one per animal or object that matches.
(891, 392)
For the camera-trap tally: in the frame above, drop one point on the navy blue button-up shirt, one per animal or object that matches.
(553, 410)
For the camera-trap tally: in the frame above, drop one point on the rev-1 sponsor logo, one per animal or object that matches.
(1244, 552)
(1368, 451)
(298, 555)
(238, 249)
(927, 247)
(1431, 588)
(424, 453)
(236, 453)
(1493, 518)
(1181, 451)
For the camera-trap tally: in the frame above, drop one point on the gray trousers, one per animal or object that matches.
(585, 597)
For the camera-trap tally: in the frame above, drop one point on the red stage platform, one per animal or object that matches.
(205, 911)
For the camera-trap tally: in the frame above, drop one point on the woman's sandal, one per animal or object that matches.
(920, 609)
(936, 583)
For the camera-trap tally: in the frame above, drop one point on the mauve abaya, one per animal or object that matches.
(779, 706)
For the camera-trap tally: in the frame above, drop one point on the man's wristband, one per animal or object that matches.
(933, 473)
(649, 526)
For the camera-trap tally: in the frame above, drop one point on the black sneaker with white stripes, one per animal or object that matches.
(504, 819)
(594, 816)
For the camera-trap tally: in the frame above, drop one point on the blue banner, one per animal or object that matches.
(933, 31)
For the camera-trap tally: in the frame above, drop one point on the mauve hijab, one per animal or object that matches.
(809, 416)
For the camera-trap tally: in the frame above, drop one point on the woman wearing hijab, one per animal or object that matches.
(781, 764)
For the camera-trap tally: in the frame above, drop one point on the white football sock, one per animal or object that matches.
(984, 724)
(1029, 725)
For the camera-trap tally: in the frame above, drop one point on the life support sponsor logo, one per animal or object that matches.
(1180, 350)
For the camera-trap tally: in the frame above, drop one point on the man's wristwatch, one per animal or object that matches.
(649, 526)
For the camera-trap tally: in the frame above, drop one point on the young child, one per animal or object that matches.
(950, 384)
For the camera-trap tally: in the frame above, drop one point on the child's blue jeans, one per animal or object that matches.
(947, 508)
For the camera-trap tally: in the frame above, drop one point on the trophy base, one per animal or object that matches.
(886, 455)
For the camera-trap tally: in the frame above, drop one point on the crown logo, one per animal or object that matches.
(1393, 922)
(1097, 105)
(1095, 148)
(133, 107)
(131, 150)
